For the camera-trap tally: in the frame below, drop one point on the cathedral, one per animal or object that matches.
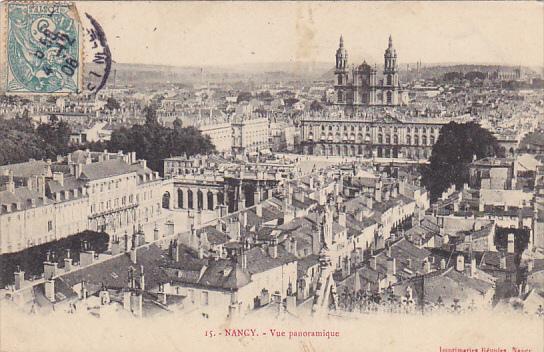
(359, 85)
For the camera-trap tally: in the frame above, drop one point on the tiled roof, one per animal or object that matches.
(105, 169)
(26, 169)
(259, 261)
(113, 272)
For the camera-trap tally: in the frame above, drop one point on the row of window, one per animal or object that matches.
(416, 140)
(433, 130)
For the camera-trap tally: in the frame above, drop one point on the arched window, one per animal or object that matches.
(387, 139)
(432, 140)
(190, 199)
(396, 139)
(221, 198)
(166, 200)
(200, 199)
(180, 198)
(416, 139)
(389, 98)
(389, 80)
(210, 201)
(408, 139)
(424, 140)
(380, 138)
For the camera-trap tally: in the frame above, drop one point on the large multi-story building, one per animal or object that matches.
(250, 134)
(361, 87)
(42, 201)
(369, 135)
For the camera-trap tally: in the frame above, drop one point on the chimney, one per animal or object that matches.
(243, 219)
(294, 249)
(427, 266)
(50, 289)
(10, 185)
(530, 265)
(460, 264)
(369, 202)
(243, 260)
(50, 269)
(378, 195)
(402, 186)
(386, 195)
(472, 267)
(133, 255)
(78, 169)
(19, 278)
(59, 177)
(156, 233)
(86, 258)
(442, 263)
(174, 250)
(234, 229)
(394, 191)
(41, 185)
(374, 262)
(409, 263)
(273, 249)
(342, 219)
(142, 278)
(502, 262)
(68, 261)
(126, 242)
(510, 245)
(391, 266)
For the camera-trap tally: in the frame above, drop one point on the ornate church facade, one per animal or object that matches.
(359, 85)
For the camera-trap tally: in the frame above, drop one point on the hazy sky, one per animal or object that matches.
(219, 33)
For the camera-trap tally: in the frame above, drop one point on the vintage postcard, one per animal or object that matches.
(276, 176)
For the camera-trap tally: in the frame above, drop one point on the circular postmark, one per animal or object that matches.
(98, 54)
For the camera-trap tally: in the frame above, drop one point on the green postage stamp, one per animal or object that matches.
(43, 46)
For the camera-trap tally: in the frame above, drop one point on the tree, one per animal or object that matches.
(154, 142)
(112, 104)
(316, 106)
(150, 113)
(452, 154)
(56, 136)
(243, 96)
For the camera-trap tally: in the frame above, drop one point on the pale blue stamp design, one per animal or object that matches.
(43, 48)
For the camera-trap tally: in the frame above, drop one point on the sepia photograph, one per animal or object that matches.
(271, 176)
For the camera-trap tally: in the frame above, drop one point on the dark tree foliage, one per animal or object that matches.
(112, 104)
(20, 141)
(452, 76)
(243, 96)
(472, 75)
(454, 150)
(289, 102)
(154, 142)
(316, 106)
(56, 135)
(521, 238)
(31, 260)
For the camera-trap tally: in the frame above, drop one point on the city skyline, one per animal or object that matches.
(222, 34)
